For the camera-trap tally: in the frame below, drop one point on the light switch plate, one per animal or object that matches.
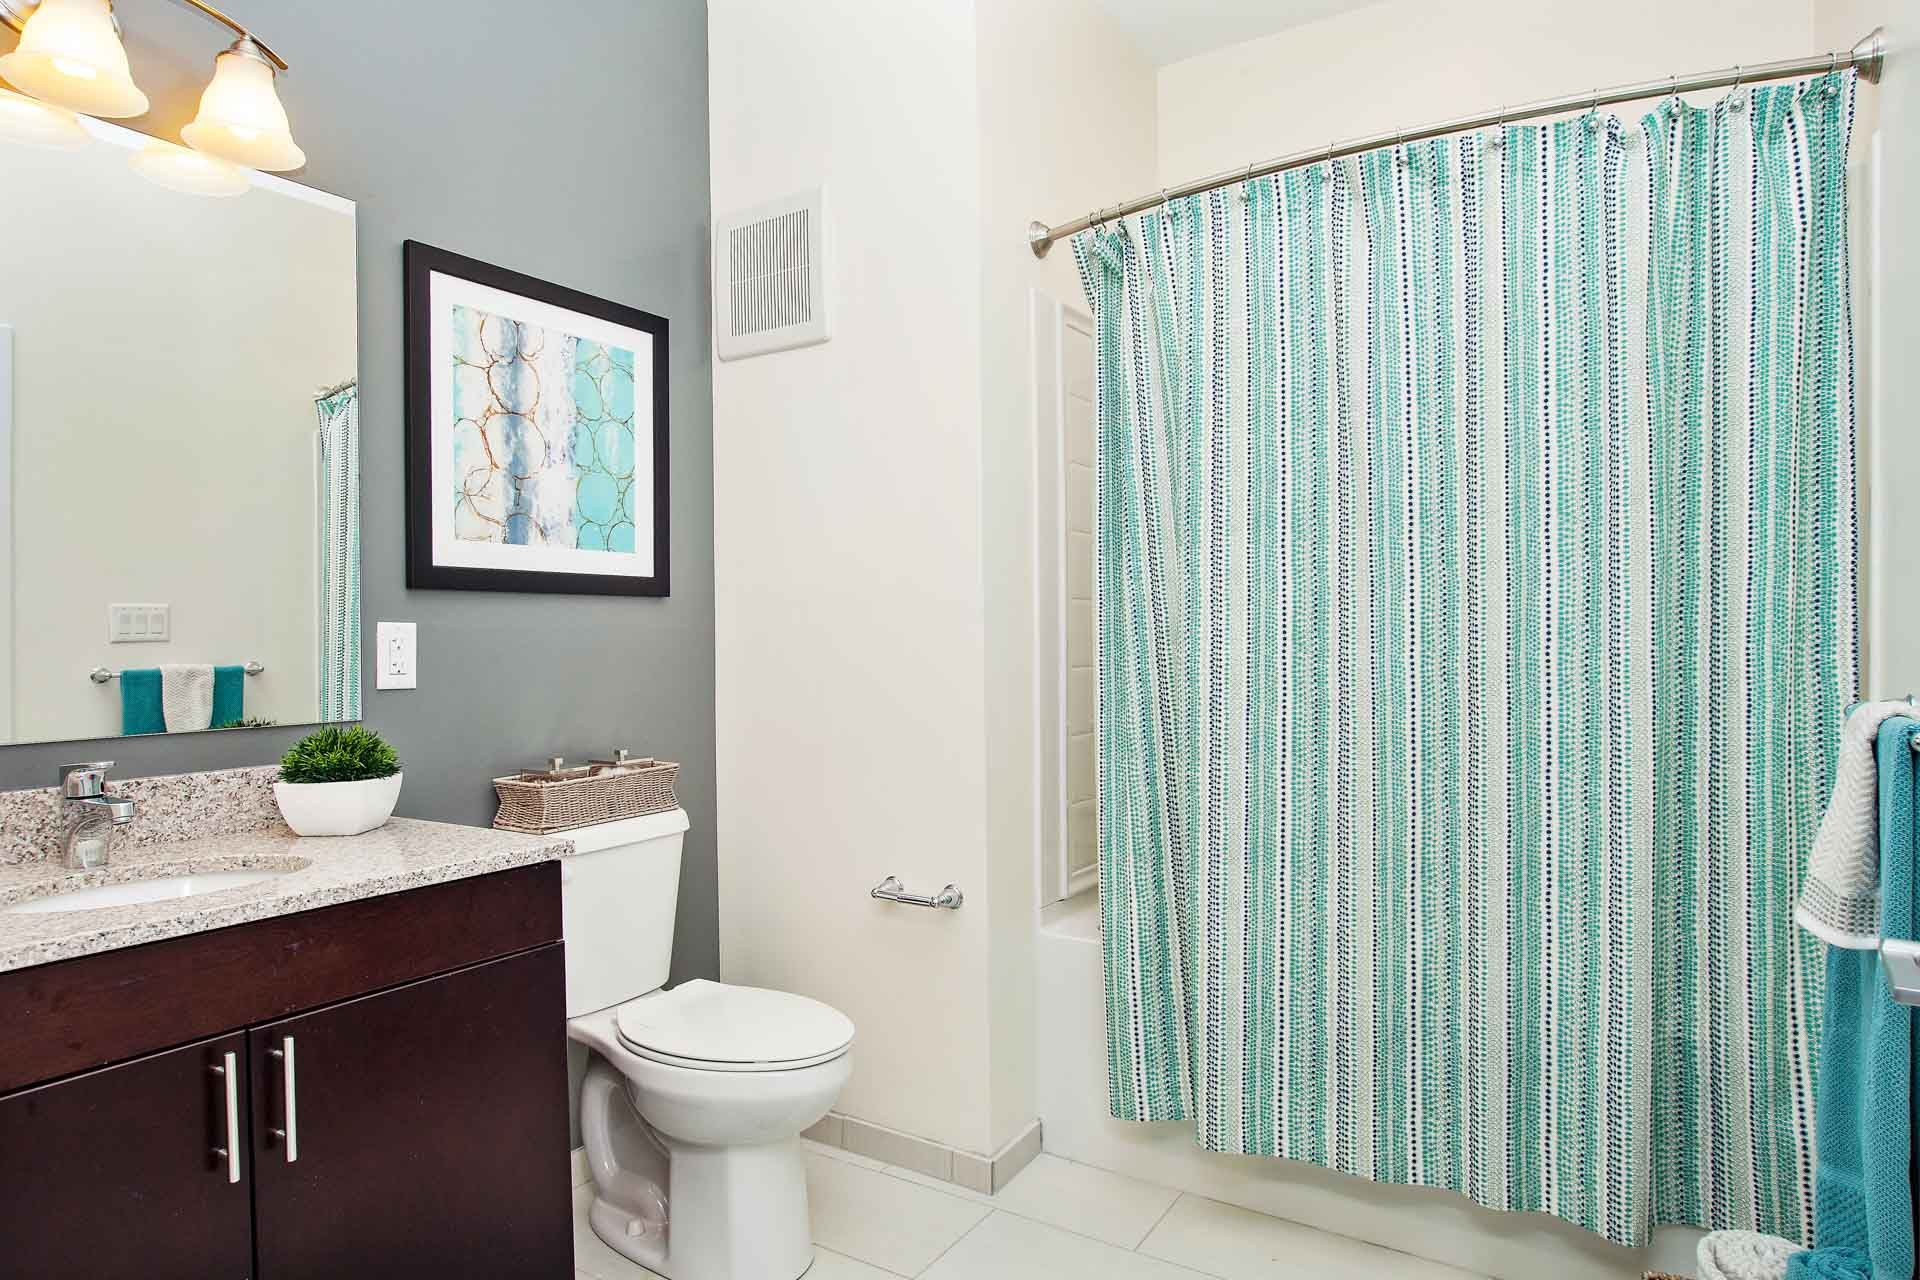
(138, 623)
(396, 656)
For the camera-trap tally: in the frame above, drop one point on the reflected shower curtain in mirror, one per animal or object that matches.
(339, 411)
(1476, 617)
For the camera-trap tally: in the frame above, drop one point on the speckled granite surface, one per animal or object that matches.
(317, 871)
(173, 807)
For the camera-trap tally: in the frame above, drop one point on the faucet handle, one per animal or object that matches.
(80, 781)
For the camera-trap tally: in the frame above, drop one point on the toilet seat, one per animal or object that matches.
(711, 1026)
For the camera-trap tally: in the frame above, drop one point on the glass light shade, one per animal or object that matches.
(70, 54)
(179, 169)
(39, 124)
(241, 118)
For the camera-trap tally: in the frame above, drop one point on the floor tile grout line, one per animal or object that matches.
(956, 1242)
(1154, 1226)
(993, 1206)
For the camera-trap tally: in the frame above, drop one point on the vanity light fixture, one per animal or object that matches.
(39, 124)
(241, 118)
(70, 56)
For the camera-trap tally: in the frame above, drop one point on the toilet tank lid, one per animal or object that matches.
(708, 1021)
(611, 835)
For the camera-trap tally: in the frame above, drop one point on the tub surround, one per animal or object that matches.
(404, 854)
(173, 807)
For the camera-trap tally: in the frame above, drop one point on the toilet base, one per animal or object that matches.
(734, 1213)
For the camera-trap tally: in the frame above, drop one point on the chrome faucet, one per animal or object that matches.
(91, 813)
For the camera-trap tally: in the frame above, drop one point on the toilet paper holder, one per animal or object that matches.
(891, 890)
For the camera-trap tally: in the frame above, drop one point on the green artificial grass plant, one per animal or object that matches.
(336, 754)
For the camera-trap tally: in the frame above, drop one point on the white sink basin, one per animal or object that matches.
(132, 892)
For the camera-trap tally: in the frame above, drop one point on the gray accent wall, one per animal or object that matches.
(567, 141)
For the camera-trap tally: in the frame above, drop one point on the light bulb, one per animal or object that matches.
(241, 118)
(70, 54)
(39, 124)
(179, 169)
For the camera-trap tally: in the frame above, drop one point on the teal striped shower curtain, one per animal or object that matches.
(1476, 617)
(339, 411)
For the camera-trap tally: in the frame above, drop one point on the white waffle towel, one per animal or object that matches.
(186, 696)
(1840, 898)
(1743, 1255)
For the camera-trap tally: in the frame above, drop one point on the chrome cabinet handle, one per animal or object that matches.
(229, 1068)
(289, 1091)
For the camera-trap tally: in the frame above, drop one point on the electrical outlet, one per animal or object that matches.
(396, 657)
(138, 623)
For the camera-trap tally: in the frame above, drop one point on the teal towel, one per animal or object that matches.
(1829, 1264)
(1863, 1193)
(140, 701)
(229, 695)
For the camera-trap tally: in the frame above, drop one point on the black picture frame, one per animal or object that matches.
(422, 263)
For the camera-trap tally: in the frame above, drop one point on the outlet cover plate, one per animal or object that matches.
(396, 656)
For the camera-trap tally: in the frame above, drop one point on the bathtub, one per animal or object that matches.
(1438, 1225)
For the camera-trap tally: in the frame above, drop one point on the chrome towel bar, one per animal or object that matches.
(891, 890)
(100, 675)
(1900, 961)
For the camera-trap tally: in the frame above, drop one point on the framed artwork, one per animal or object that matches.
(536, 434)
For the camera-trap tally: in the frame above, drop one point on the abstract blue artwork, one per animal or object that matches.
(543, 436)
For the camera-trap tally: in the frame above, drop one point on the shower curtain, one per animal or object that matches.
(1475, 577)
(339, 410)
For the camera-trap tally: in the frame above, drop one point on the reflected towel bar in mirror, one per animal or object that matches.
(100, 675)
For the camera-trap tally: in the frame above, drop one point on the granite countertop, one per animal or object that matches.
(318, 871)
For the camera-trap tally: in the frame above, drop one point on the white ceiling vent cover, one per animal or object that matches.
(770, 277)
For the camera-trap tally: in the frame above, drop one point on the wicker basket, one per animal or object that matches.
(537, 806)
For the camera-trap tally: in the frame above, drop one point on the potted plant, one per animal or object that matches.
(338, 781)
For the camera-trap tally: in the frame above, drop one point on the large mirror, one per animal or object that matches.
(178, 428)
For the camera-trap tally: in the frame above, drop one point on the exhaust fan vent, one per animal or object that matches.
(770, 277)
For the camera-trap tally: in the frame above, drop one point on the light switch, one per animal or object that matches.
(138, 623)
(395, 656)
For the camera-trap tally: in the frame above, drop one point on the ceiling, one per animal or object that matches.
(1169, 30)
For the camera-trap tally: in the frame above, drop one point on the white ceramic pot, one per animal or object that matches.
(337, 808)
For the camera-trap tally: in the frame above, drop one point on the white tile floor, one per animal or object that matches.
(1057, 1221)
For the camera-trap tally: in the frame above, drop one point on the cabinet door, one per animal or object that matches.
(421, 1131)
(137, 1170)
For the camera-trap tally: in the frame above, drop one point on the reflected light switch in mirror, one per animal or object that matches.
(395, 656)
(138, 623)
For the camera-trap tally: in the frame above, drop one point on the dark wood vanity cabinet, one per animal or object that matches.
(465, 1068)
(114, 1172)
(414, 1125)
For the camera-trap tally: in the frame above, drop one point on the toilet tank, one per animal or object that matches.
(617, 896)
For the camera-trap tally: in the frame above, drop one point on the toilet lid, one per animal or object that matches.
(702, 1023)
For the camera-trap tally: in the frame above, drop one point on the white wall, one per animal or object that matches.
(1066, 119)
(1885, 186)
(850, 724)
(163, 438)
(874, 522)
(1406, 62)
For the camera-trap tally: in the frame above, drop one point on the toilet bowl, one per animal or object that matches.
(695, 1097)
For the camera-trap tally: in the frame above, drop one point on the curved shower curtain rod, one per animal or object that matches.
(1867, 57)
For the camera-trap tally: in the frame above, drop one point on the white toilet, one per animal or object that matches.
(693, 1106)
